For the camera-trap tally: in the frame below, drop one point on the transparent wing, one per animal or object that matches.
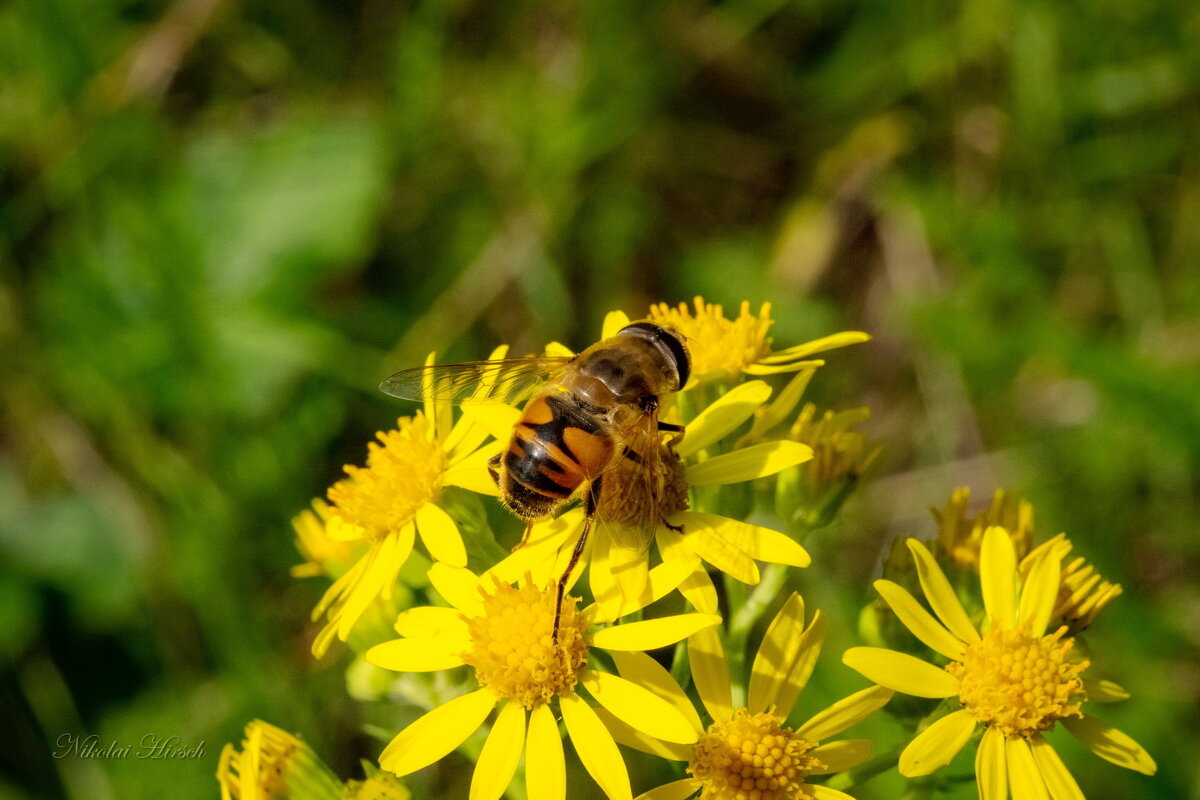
(504, 380)
(631, 498)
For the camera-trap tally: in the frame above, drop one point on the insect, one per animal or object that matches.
(589, 429)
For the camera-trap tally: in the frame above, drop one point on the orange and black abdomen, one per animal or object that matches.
(555, 447)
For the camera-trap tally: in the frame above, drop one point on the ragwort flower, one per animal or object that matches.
(724, 348)
(960, 535)
(1083, 593)
(381, 508)
(1011, 677)
(271, 764)
(505, 634)
(750, 753)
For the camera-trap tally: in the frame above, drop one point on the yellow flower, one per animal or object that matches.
(274, 764)
(723, 348)
(377, 786)
(383, 507)
(1011, 677)
(1082, 593)
(750, 753)
(959, 536)
(505, 634)
(323, 555)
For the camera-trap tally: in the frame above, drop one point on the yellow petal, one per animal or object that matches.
(940, 595)
(437, 732)
(830, 342)
(558, 350)
(459, 586)
(472, 474)
(748, 463)
(545, 767)
(841, 755)
(902, 672)
(675, 790)
(432, 621)
(440, 535)
(845, 713)
(782, 406)
(622, 733)
(601, 579)
(465, 437)
(652, 633)
(765, 544)
(820, 792)
(778, 369)
(539, 555)
(613, 322)
(757, 542)
(498, 419)
(645, 671)
(776, 654)
(802, 667)
(1024, 777)
(1040, 593)
(998, 576)
(937, 745)
(723, 416)
(418, 655)
(501, 752)
(1058, 778)
(1102, 691)
(697, 587)
(638, 707)
(1111, 745)
(699, 590)
(991, 767)
(660, 581)
(919, 621)
(716, 550)
(710, 673)
(596, 748)
(377, 579)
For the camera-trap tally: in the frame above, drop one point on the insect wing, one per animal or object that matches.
(631, 503)
(503, 380)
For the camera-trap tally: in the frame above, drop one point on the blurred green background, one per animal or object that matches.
(224, 222)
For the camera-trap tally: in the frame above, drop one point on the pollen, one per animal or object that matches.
(404, 472)
(714, 342)
(752, 757)
(1019, 683)
(513, 649)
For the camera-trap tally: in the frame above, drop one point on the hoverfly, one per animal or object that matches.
(591, 422)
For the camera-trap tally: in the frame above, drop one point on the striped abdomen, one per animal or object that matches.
(555, 447)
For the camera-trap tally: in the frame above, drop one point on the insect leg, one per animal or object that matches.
(493, 466)
(525, 535)
(593, 499)
(669, 427)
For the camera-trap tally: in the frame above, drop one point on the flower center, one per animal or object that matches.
(513, 650)
(752, 757)
(1019, 683)
(404, 472)
(717, 343)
